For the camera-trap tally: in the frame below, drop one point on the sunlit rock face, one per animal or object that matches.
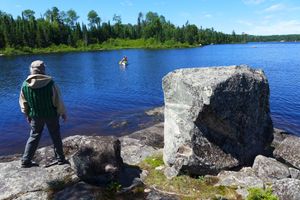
(215, 118)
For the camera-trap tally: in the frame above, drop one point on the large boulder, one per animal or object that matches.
(215, 118)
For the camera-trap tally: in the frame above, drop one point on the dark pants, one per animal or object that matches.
(37, 126)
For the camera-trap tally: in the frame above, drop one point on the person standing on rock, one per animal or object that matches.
(40, 100)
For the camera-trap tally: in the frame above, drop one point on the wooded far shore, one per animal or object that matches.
(60, 31)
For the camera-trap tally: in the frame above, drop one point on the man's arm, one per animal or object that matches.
(58, 102)
(24, 106)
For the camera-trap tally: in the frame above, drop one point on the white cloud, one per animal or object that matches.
(255, 2)
(126, 3)
(277, 28)
(275, 8)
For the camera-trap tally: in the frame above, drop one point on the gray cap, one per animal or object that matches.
(37, 67)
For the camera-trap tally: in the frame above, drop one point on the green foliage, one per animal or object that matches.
(58, 31)
(261, 194)
(184, 186)
(154, 161)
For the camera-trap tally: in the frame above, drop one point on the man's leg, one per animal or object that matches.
(37, 126)
(54, 131)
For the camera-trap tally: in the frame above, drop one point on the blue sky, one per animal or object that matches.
(258, 17)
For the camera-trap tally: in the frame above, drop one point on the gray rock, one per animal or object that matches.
(98, 159)
(289, 151)
(152, 136)
(295, 173)
(80, 191)
(159, 111)
(141, 144)
(118, 124)
(216, 118)
(269, 169)
(156, 195)
(279, 136)
(243, 180)
(9, 158)
(287, 189)
(21, 183)
(40, 195)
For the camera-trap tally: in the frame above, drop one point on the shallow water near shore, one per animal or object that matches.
(103, 98)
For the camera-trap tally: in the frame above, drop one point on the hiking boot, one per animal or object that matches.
(29, 164)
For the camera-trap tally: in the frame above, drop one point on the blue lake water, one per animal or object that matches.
(98, 92)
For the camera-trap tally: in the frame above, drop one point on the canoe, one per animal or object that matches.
(123, 63)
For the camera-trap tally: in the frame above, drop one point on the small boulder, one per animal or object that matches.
(245, 178)
(287, 189)
(242, 180)
(289, 151)
(269, 169)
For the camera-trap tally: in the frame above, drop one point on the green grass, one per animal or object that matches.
(110, 44)
(185, 187)
(261, 194)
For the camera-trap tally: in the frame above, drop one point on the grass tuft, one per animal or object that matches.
(184, 186)
(261, 194)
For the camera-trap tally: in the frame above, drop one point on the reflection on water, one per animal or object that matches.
(98, 91)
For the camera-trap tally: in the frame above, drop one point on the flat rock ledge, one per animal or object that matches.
(63, 181)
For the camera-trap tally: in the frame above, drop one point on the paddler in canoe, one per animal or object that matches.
(124, 61)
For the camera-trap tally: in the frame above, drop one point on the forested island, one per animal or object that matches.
(60, 31)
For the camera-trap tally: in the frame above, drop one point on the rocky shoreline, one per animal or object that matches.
(61, 182)
(217, 141)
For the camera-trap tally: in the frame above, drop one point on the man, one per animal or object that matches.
(40, 101)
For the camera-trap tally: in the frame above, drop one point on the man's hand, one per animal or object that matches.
(64, 117)
(28, 119)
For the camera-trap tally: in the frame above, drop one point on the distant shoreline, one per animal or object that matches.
(112, 44)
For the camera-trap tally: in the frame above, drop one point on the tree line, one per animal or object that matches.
(57, 27)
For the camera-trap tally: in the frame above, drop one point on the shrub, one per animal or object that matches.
(261, 194)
